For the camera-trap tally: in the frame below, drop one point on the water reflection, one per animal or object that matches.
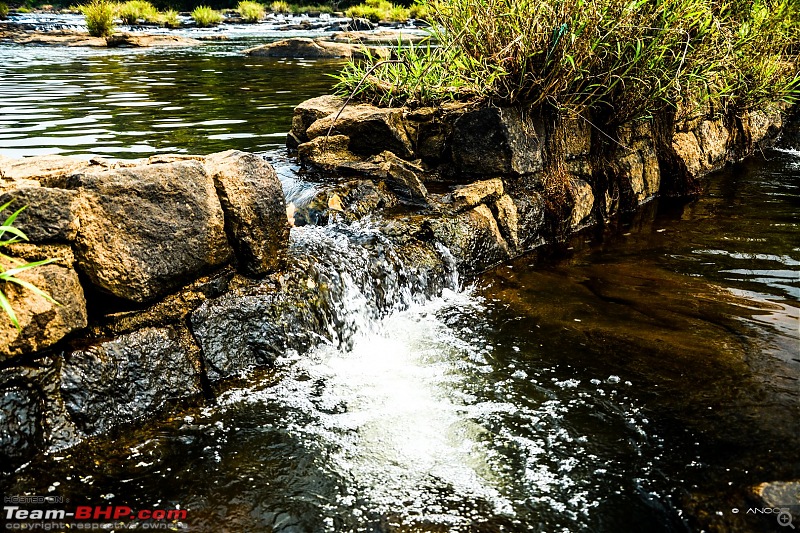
(132, 103)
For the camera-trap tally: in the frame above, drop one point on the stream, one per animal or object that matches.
(639, 377)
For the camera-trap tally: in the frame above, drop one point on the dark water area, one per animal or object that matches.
(640, 377)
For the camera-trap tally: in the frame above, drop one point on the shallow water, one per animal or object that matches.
(638, 378)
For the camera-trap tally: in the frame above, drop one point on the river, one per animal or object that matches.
(639, 377)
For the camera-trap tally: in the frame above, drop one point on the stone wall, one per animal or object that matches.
(155, 237)
(550, 177)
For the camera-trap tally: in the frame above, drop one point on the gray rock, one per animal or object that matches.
(255, 210)
(32, 414)
(50, 215)
(148, 229)
(43, 323)
(493, 141)
(780, 495)
(530, 219)
(372, 130)
(357, 24)
(121, 380)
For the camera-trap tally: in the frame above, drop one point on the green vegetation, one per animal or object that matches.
(99, 17)
(377, 10)
(617, 60)
(318, 8)
(3, 11)
(9, 275)
(280, 6)
(169, 19)
(134, 11)
(251, 11)
(204, 16)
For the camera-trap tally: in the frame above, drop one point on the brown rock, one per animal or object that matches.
(148, 229)
(583, 201)
(328, 153)
(304, 47)
(506, 214)
(476, 193)
(254, 206)
(372, 130)
(312, 110)
(43, 322)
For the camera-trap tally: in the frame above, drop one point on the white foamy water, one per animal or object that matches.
(423, 434)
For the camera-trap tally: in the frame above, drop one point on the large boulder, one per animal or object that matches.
(255, 210)
(123, 379)
(372, 130)
(148, 229)
(42, 322)
(304, 47)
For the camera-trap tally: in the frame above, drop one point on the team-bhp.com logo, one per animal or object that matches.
(98, 517)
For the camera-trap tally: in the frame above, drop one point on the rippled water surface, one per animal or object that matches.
(125, 103)
(639, 378)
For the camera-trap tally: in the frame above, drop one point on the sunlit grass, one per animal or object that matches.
(99, 16)
(251, 11)
(619, 59)
(204, 16)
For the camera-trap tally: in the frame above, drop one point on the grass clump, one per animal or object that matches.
(204, 16)
(169, 19)
(135, 11)
(251, 11)
(319, 8)
(378, 10)
(99, 16)
(616, 59)
(9, 274)
(280, 6)
(3, 11)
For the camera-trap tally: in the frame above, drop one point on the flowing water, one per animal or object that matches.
(639, 378)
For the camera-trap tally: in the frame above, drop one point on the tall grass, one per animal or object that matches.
(204, 16)
(378, 10)
(279, 6)
(623, 59)
(251, 11)
(133, 11)
(3, 11)
(99, 16)
(169, 19)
